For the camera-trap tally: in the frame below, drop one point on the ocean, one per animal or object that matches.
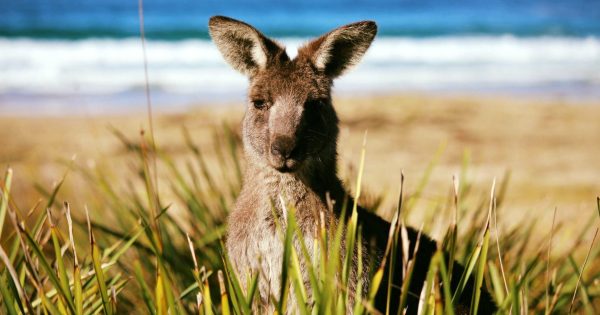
(58, 56)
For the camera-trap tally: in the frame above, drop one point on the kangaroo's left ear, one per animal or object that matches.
(245, 48)
(340, 49)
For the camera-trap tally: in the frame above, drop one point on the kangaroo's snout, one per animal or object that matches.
(282, 146)
(284, 155)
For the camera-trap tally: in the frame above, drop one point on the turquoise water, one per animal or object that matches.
(175, 20)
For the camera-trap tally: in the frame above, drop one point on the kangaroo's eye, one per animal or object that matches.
(259, 104)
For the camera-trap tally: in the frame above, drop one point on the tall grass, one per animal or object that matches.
(154, 244)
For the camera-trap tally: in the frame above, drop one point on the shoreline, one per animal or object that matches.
(50, 76)
(134, 102)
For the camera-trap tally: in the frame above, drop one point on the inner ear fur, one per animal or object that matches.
(244, 48)
(340, 49)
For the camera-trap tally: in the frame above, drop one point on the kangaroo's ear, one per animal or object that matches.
(342, 48)
(243, 46)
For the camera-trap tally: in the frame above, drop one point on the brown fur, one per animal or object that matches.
(290, 133)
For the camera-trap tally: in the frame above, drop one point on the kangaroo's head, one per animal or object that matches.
(290, 122)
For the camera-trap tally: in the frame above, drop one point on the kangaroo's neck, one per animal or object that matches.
(310, 184)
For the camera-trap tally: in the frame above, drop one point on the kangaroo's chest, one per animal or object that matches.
(264, 254)
(257, 228)
(259, 242)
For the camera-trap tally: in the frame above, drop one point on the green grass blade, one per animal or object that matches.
(206, 298)
(446, 282)
(8, 297)
(471, 263)
(285, 267)
(497, 283)
(310, 267)
(358, 297)
(62, 270)
(480, 272)
(297, 279)
(406, 285)
(48, 269)
(427, 303)
(4, 198)
(189, 290)
(49, 306)
(252, 290)
(585, 296)
(145, 290)
(159, 293)
(100, 279)
(240, 302)
(375, 283)
(77, 290)
(122, 249)
(97, 264)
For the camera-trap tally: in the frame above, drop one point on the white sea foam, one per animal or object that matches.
(194, 67)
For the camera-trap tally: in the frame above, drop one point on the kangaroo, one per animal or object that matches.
(289, 133)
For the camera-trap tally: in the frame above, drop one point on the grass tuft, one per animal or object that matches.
(169, 237)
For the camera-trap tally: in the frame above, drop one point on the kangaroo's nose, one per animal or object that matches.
(283, 146)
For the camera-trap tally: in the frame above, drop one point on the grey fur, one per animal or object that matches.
(296, 95)
(290, 133)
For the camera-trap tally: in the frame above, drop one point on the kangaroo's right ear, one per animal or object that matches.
(340, 49)
(243, 46)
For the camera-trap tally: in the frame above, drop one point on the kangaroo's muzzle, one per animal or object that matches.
(284, 154)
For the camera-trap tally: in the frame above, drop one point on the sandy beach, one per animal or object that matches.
(549, 148)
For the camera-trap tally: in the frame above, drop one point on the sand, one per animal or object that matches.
(550, 147)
